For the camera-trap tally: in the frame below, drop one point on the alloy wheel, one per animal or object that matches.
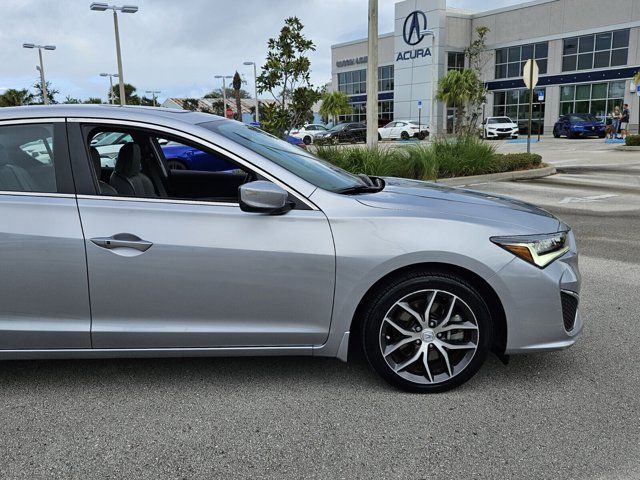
(429, 336)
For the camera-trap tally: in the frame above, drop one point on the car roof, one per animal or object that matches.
(113, 112)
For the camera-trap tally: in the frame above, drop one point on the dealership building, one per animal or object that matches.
(587, 52)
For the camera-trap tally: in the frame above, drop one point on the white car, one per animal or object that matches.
(404, 130)
(308, 133)
(499, 127)
(109, 146)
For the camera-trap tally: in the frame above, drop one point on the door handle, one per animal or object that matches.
(122, 240)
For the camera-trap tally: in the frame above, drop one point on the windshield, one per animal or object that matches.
(294, 159)
(585, 117)
(499, 120)
(113, 138)
(337, 127)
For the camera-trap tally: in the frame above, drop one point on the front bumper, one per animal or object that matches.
(532, 299)
(496, 134)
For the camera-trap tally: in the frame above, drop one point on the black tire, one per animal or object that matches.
(174, 164)
(379, 137)
(391, 292)
(556, 133)
(404, 136)
(306, 140)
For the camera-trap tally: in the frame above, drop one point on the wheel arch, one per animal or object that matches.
(487, 292)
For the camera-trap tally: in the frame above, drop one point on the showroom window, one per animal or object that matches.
(455, 61)
(510, 61)
(596, 98)
(359, 112)
(355, 83)
(515, 105)
(602, 50)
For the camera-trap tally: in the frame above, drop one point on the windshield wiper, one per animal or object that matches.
(358, 189)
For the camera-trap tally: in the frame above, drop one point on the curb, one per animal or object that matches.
(499, 177)
(626, 148)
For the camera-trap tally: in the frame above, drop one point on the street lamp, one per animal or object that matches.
(153, 95)
(110, 75)
(101, 7)
(255, 89)
(43, 83)
(224, 92)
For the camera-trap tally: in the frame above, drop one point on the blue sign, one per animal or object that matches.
(419, 104)
(540, 96)
(412, 32)
(638, 90)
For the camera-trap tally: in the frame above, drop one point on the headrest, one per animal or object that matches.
(97, 164)
(128, 163)
(4, 158)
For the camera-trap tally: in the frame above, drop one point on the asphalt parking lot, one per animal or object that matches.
(569, 414)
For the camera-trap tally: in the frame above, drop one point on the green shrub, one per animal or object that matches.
(632, 140)
(442, 158)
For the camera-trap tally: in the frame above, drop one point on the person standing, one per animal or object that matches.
(615, 122)
(624, 121)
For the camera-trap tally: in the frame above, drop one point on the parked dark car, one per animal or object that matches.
(344, 132)
(183, 157)
(575, 125)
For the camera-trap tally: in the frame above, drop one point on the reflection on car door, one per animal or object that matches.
(197, 274)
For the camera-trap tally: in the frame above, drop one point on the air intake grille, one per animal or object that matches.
(569, 310)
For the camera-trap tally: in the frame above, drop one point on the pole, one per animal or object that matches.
(43, 83)
(530, 107)
(419, 120)
(372, 77)
(255, 92)
(119, 58)
(539, 119)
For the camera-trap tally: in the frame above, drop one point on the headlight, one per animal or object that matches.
(539, 250)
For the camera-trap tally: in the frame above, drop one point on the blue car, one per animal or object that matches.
(575, 125)
(183, 157)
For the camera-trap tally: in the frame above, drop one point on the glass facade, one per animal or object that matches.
(355, 82)
(515, 105)
(510, 61)
(359, 114)
(455, 61)
(596, 98)
(601, 50)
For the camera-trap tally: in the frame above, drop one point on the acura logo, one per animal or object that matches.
(414, 25)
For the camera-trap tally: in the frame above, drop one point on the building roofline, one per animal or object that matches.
(518, 6)
(360, 40)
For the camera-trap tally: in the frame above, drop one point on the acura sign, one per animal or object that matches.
(413, 32)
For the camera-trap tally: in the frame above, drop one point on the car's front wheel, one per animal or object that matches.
(427, 332)
(306, 140)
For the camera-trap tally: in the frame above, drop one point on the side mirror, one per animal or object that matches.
(264, 197)
(163, 141)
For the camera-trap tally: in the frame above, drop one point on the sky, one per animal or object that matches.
(175, 46)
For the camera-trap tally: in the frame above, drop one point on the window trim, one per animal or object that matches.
(206, 144)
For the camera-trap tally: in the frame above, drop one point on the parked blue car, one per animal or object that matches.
(182, 157)
(575, 125)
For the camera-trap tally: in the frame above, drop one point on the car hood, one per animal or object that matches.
(588, 124)
(435, 199)
(502, 125)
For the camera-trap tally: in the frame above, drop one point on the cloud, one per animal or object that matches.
(173, 46)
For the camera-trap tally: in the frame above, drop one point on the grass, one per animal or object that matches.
(632, 141)
(441, 158)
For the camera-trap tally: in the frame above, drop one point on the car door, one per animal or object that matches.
(44, 298)
(166, 272)
(397, 130)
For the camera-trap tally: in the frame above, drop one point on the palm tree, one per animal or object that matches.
(16, 98)
(237, 84)
(457, 88)
(334, 104)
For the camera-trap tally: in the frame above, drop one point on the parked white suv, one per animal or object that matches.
(499, 127)
(308, 133)
(404, 130)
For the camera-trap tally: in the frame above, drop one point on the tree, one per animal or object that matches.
(16, 98)
(217, 93)
(93, 100)
(478, 56)
(39, 97)
(237, 84)
(130, 96)
(457, 88)
(334, 104)
(287, 68)
(69, 100)
(190, 104)
(302, 101)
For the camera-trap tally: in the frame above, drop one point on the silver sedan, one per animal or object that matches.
(260, 248)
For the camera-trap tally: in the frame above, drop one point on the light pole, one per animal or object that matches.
(255, 89)
(101, 7)
(110, 75)
(372, 77)
(434, 75)
(43, 83)
(224, 93)
(153, 95)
